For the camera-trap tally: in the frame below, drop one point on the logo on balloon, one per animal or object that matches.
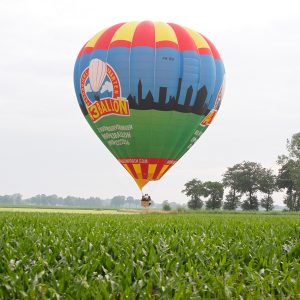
(211, 115)
(101, 91)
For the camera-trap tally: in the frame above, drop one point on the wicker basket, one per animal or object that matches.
(145, 203)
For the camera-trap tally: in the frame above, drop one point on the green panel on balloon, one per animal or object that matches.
(154, 134)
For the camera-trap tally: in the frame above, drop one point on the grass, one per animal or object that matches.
(149, 256)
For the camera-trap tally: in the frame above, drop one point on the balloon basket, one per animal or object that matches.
(145, 203)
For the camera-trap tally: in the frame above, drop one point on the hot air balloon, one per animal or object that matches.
(149, 90)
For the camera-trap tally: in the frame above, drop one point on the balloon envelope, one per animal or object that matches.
(159, 87)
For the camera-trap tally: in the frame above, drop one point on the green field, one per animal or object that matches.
(143, 256)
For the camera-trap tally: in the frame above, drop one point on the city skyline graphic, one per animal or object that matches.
(172, 104)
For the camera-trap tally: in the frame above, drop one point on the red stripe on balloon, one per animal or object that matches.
(144, 35)
(204, 51)
(81, 51)
(86, 50)
(185, 41)
(165, 171)
(157, 170)
(132, 170)
(105, 39)
(212, 47)
(120, 43)
(166, 44)
(144, 168)
(147, 160)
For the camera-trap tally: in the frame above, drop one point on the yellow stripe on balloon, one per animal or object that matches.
(151, 170)
(163, 169)
(125, 32)
(92, 42)
(164, 32)
(128, 169)
(197, 38)
(138, 170)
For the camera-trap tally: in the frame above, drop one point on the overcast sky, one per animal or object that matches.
(47, 146)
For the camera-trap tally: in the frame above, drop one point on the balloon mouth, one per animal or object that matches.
(144, 170)
(141, 182)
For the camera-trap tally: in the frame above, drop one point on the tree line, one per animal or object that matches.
(70, 201)
(245, 181)
(76, 202)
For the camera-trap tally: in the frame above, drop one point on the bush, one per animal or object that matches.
(166, 206)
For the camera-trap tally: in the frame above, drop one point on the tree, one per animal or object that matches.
(232, 200)
(195, 202)
(5, 199)
(194, 189)
(16, 199)
(231, 181)
(267, 203)
(72, 201)
(247, 178)
(117, 201)
(129, 201)
(94, 202)
(137, 203)
(244, 178)
(267, 185)
(289, 174)
(214, 191)
(250, 204)
(249, 184)
(293, 146)
(40, 199)
(166, 206)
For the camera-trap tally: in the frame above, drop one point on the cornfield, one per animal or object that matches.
(180, 256)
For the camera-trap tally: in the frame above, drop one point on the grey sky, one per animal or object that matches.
(47, 146)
